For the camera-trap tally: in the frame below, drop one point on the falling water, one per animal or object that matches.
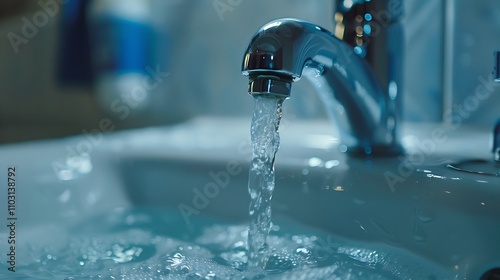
(265, 143)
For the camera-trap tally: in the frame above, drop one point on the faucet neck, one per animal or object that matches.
(285, 49)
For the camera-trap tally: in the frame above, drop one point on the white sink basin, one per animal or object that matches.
(434, 221)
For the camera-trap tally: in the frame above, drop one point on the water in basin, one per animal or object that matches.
(156, 243)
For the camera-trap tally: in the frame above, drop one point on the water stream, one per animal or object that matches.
(265, 143)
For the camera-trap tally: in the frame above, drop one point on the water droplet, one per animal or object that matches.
(339, 188)
(210, 275)
(315, 162)
(302, 251)
(331, 163)
(239, 244)
(343, 148)
(297, 239)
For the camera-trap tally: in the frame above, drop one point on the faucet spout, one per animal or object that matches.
(285, 49)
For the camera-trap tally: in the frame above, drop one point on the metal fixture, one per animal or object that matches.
(285, 49)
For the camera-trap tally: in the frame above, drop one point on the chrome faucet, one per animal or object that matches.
(285, 49)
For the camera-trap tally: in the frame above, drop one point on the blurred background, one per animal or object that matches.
(67, 65)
